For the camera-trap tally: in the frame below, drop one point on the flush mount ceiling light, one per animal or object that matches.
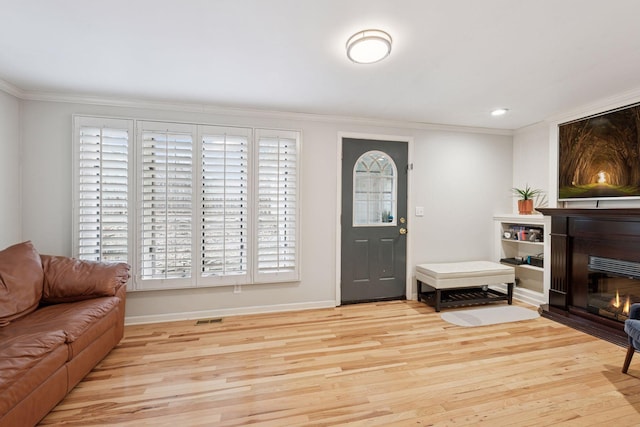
(499, 112)
(368, 46)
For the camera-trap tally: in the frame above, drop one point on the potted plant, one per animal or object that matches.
(525, 198)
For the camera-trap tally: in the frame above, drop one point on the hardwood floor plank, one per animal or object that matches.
(391, 363)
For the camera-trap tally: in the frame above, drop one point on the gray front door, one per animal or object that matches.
(374, 220)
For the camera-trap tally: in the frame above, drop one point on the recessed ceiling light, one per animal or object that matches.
(368, 46)
(499, 112)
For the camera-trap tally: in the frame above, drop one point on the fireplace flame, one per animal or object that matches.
(627, 305)
(616, 302)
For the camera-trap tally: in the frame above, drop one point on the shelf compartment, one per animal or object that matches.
(515, 263)
(531, 267)
(525, 242)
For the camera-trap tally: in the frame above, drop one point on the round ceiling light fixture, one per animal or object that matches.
(368, 46)
(499, 112)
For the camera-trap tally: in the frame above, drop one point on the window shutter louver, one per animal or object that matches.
(225, 204)
(166, 204)
(102, 189)
(277, 206)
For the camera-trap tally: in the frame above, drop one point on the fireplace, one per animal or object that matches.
(613, 285)
(595, 268)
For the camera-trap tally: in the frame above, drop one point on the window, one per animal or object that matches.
(101, 184)
(374, 190)
(225, 221)
(277, 254)
(166, 201)
(210, 206)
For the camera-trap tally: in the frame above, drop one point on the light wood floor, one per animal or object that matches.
(393, 363)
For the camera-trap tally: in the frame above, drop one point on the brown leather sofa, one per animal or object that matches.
(59, 317)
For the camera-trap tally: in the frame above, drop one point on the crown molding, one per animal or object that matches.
(534, 127)
(239, 111)
(596, 107)
(11, 89)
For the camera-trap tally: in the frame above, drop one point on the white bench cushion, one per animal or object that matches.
(464, 274)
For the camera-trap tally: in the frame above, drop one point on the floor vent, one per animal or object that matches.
(207, 321)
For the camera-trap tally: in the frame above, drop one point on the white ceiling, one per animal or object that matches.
(452, 62)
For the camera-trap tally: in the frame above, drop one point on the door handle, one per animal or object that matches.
(403, 231)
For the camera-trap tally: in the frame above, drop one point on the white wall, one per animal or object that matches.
(10, 224)
(461, 178)
(462, 181)
(531, 154)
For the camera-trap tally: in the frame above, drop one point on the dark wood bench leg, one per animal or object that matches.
(510, 293)
(627, 360)
(438, 298)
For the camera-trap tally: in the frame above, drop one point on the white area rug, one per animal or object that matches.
(489, 315)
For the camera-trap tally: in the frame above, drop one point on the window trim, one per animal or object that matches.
(143, 126)
(294, 275)
(231, 280)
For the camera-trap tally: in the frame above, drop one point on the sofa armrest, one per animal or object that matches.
(634, 311)
(70, 279)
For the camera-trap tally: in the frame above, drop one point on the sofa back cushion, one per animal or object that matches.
(70, 279)
(21, 281)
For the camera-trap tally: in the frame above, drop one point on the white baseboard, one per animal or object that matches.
(524, 295)
(226, 312)
(530, 297)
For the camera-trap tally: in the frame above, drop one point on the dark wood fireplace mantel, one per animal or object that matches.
(577, 234)
(592, 213)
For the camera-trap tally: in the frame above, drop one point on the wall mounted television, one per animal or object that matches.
(599, 156)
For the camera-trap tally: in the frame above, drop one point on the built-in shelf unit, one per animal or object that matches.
(520, 241)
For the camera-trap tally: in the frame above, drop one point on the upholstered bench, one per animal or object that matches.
(463, 283)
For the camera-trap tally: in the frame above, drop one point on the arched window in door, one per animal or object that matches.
(375, 183)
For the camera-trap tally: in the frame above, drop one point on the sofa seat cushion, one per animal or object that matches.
(82, 321)
(26, 361)
(21, 281)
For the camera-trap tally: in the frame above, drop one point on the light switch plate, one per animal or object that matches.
(419, 211)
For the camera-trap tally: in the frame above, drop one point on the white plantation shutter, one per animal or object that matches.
(191, 205)
(224, 205)
(166, 202)
(101, 182)
(277, 193)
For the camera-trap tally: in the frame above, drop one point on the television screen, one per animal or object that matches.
(599, 156)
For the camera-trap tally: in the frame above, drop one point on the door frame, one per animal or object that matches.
(410, 217)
